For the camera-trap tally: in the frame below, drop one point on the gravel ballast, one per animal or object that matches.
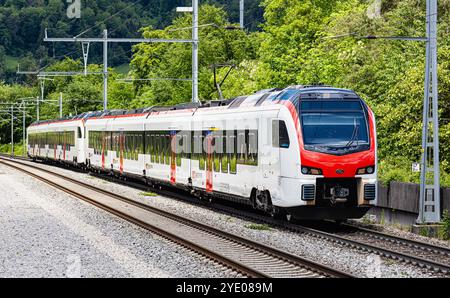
(340, 257)
(48, 233)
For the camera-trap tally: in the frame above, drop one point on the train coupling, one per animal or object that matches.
(339, 194)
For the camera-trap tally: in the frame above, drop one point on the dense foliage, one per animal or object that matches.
(293, 46)
(23, 23)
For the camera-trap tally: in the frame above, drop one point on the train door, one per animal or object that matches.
(104, 149)
(209, 161)
(79, 145)
(121, 150)
(180, 165)
(173, 157)
(201, 160)
(271, 151)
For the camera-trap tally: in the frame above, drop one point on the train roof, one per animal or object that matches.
(256, 99)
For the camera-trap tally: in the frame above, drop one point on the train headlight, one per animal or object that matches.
(311, 171)
(366, 170)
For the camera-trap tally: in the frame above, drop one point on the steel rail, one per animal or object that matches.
(288, 259)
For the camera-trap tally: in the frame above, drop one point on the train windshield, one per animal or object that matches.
(335, 127)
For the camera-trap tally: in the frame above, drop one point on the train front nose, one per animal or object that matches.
(335, 192)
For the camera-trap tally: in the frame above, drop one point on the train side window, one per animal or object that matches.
(202, 162)
(125, 145)
(280, 136)
(156, 147)
(80, 136)
(252, 142)
(140, 143)
(209, 157)
(234, 154)
(152, 146)
(133, 146)
(186, 145)
(242, 147)
(109, 141)
(168, 150)
(196, 146)
(137, 144)
(179, 142)
(224, 160)
(161, 147)
(141, 137)
(105, 143)
(215, 141)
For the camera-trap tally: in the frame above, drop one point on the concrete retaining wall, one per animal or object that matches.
(405, 197)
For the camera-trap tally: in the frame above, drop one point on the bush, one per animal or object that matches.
(18, 149)
(399, 169)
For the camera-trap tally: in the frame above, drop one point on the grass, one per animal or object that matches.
(259, 227)
(148, 194)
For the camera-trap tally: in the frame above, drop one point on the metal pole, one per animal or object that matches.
(60, 105)
(42, 98)
(12, 131)
(105, 70)
(24, 143)
(429, 203)
(241, 13)
(195, 51)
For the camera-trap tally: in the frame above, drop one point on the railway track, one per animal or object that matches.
(417, 253)
(247, 257)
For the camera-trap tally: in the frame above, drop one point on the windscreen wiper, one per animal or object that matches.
(354, 134)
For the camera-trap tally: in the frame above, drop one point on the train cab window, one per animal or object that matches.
(280, 136)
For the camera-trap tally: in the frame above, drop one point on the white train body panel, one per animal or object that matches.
(146, 145)
(66, 149)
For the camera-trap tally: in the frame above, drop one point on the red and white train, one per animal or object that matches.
(308, 152)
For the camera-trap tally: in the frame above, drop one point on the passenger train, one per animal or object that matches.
(308, 152)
